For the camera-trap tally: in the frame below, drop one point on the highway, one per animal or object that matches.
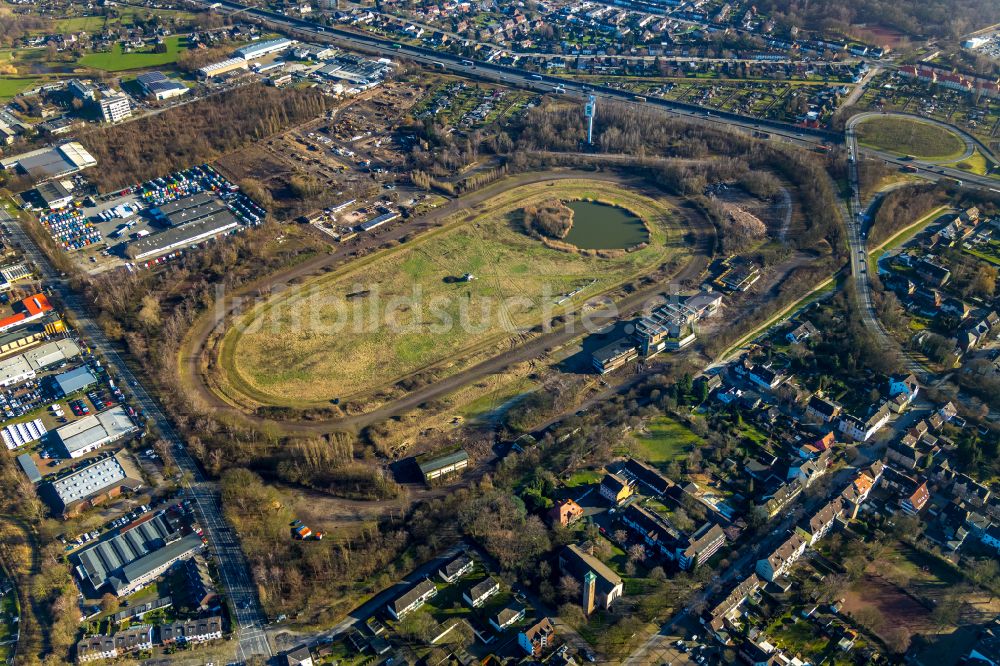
(223, 543)
(804, 137)
(513, 76)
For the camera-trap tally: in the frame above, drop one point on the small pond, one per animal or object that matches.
(600, 226)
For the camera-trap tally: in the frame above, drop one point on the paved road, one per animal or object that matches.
(854, 216)
(314, 31)
(233, 568)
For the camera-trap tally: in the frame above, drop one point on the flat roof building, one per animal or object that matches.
(15, 370)
(188, 209)
(90, 485)
(134, 558)
(158, 86)
(92, 432)
(433, 466)
(116, 108)
(48, 163)
(54, 194)
(261, 49)
(29, 467)
(221, 68)
(75, 380)
(182, 236)
(51, 353)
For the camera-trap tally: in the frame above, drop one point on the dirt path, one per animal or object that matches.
(192, 351)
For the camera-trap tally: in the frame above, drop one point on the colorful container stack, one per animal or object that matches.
(71, 229)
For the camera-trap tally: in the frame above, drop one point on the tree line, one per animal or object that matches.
(196, 133)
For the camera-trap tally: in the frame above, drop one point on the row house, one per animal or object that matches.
(820, 523)
(861, 430)
(726, 610)
(779, 562)
(967, 84)
(821, 409)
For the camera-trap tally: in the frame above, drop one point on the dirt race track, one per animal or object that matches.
(197, 350)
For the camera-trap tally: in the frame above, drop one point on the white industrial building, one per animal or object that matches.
(220, 68)
(261, 49)
(92, 432)
(116, 108)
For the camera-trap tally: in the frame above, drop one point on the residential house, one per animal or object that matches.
(970, 491)
(412, 599)
(779, 562)
(565, 512)
(817, 526)
(138, 637)
(903, 389)
(573, 561)
(801, 333)
(781, 497)
(932, 272)
(808, 471)
(916, 500)
(913, 492)
(903, 454)
(649, 476)
(660, 536)
(765, 377)
(725, 610)
(192, 631)
(615, 489)
(509, 616)
(456, 568)
(822, 410)
(861, 430)
(300, 656)
(535, 639)
(477, 595)
(991, 537)
(92, 648)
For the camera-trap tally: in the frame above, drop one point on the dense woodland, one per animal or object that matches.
(197, 132)
(935, 18)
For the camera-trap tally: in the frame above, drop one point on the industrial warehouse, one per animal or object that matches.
(135, 557)
(48, 163)
(189, 220)
(88, 486)
(92, 432)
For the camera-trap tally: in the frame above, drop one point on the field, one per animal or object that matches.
(904, 586)
(408, 308)
(116, 61)
(664, 440)
(910, 137)
(11, 86)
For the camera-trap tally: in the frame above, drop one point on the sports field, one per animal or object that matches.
(410, 307)
(910, 137)
(117, 61)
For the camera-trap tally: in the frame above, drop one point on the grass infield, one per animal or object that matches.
(406, 309)
(910, 137)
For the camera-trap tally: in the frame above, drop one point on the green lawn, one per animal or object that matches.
(583, 477)
(664, 441)
(11, 86)
(975, 163)
(910, 137)
(116, 61)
